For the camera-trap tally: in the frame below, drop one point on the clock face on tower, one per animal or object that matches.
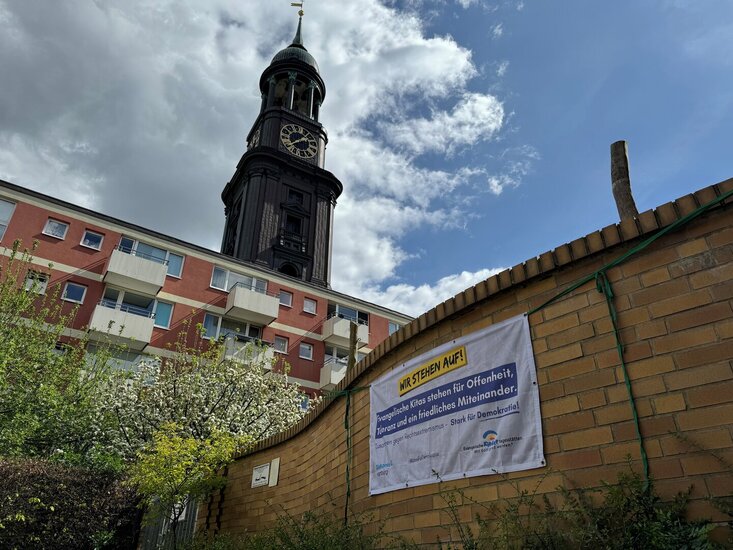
(298, 141)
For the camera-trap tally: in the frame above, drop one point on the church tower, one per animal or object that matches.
(279, 204)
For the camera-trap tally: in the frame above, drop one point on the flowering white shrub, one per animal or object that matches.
(201, 391)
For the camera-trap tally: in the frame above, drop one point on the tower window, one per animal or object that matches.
(293, 224)
(295, 197)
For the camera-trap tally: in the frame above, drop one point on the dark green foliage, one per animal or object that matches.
(311, 531)
(49, 505)
(624, 515)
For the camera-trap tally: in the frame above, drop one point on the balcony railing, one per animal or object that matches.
(292, 241)
(337, 331)
(239, 347)
(252, 304)
(127, 308)
(332, 372)
(133, 252)
(124, 323)
(141, 273)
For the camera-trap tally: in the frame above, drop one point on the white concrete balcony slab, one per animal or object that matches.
(252, 306)
(121, 326)
(332, 372)
(136, 272)
(336, 331)
(246, 350)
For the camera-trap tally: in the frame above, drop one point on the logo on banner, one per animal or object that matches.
(491, 438)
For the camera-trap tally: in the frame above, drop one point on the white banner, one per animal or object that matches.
(467, 408)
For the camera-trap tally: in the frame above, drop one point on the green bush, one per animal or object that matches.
(50, 505)
(625, 515)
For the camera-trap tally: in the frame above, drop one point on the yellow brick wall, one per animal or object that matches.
(676, 323)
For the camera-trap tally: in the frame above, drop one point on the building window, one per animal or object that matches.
(163, 314)
(92, 240)
(153, 253)
(226, 280)
(309, 306)
(393, 327)
(286, 298)
(219, 327)
(74, 292)
(36, 282)
(344, 312)
(55, 228)
(306, 351)
(281, 344)
(6, 212)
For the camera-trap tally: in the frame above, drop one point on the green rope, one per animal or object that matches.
(603, 285)
(349, 443)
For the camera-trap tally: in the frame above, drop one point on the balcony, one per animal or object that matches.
(245, 349)
(332, 372)
(125, 325)
(336, 331)
(252, 305)
(138, 272)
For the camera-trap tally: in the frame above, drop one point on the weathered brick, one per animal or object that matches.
(669, 403)
(655, 276)
(725, 329)
(650, 367)
(721, 415)
(560, 406)
(703, 463)
(651, 329)
(613, 413)
(685, 339)
(592, 399)
(556, 356)
(666, 468)
(620, 452)
(680, 303)
(659, 292)
(647, 262)
(599, 343)
(717, 438)
(721, 238)
(569, 336)
(568, 423)
(586, 438)
(571, 368)
(573, 460)
(590, 381)
(700, 316)
(592, 313)
(566, 305)
(719, 351)
(712, 276)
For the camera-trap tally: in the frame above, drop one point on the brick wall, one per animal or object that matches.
(676, 323)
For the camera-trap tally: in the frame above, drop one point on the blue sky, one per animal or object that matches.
(470, 135)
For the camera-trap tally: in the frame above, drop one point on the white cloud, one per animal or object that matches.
(416, 300)
(497, 31)
(502, 69)
(475, 118)
(113, 101)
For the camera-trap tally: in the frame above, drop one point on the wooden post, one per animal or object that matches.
(353, 327)
(621, 181)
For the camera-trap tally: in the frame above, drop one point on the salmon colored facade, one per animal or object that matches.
(82, 247)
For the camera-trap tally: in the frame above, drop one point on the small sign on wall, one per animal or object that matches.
(261, 475)
(266, 474)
